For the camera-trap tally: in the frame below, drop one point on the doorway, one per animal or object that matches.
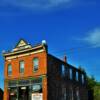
(12, 97)
(23, 93)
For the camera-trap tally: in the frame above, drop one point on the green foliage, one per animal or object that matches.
(92, 85)
(97, 92)
(91, 82)
(95, 86)
(98, 83)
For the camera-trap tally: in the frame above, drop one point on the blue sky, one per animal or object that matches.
(70, 27)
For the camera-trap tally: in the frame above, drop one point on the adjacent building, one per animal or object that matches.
(1, 94)
(31, 73)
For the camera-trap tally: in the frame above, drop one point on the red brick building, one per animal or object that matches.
(31, 73)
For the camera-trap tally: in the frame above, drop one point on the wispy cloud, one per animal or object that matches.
(44, 4)
(37, 4)
(93, 38)
(10, 7)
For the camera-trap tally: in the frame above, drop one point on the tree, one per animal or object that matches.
(93, 86)
(81, 69)
(91, 82)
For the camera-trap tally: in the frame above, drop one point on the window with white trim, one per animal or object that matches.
(9, 69)
(21, 66)
(35, 64)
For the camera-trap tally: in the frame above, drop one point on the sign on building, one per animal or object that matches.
(37, 96)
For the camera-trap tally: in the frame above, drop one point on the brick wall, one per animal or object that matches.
(28, 66)
(28, 72)
(56, 82)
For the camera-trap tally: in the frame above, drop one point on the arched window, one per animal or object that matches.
(9, 69)
(21, 63)
(35, 64)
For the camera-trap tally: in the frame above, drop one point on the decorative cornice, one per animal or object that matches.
(39, 47)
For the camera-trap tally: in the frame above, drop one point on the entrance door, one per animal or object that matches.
(12, 97)
(13, 94)
(23, 93)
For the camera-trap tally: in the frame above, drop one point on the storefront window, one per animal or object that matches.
(9, 69)
(21, 66)
(37, 88)
(36, 64)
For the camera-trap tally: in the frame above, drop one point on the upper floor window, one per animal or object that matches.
(66, 71)
(71, 74)
(9, 69)
(83, 80)
(76, 76)
(63, 70)
(36, 64)
(21, 66)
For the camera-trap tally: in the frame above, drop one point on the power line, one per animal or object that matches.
(68, 51)
(73, 49)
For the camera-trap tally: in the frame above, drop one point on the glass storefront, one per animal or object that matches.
(24, 89)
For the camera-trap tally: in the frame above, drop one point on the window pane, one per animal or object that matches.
(64, 94)
(21, 66)
(9, 69)
(83, 81)
(36, 64)
(71, 73)
(77, 94)
(63, 70)
(37, 87)
(76, 76)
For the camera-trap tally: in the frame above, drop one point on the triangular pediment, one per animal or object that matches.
(22, 44)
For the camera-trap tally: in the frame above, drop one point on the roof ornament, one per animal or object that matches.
(44, 42)
(22, 44)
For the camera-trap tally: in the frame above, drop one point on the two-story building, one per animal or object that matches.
(31, 73)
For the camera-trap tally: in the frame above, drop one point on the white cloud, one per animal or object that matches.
(40, 4)
(45, 4)
(93, 38)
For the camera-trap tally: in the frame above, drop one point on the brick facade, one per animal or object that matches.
(54, 84)
(57, 81)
